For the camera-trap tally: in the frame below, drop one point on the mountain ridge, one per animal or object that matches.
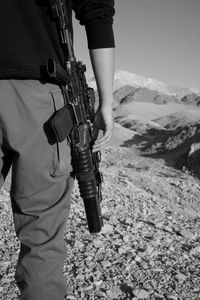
(122, 78)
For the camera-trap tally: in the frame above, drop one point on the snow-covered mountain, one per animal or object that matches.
(124, 78)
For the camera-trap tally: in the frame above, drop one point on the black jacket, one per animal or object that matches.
(28, 35)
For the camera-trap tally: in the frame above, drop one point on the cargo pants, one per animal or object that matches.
(41, 185)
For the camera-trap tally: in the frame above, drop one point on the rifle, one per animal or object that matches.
(75, 120)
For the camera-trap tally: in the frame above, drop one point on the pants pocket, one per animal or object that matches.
(61, 156)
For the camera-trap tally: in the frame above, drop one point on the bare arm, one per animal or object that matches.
(103, 67)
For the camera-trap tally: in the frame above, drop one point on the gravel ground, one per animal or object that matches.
(149, 247)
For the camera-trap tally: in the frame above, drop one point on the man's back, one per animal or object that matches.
(28, 38)
(28, 35)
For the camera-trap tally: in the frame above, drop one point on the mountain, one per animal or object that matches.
(157, 119)
(128, 94)
(124, 78)
(192, 99)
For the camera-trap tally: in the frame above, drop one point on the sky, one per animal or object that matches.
(158, 39)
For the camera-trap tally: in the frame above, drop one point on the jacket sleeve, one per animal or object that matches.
(97, 17)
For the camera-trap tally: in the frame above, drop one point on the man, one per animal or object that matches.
(41, 184)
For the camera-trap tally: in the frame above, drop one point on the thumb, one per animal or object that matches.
(95, 133)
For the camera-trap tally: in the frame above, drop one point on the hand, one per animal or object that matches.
(103, 121)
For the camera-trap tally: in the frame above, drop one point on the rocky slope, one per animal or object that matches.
(149, 247)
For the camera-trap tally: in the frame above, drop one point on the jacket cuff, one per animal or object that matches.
(100, 36)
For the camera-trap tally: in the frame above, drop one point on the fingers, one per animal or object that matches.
(103, 127)
(102, 142)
